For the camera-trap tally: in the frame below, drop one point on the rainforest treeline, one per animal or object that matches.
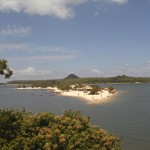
(98, 80)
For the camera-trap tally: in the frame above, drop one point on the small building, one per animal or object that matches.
(87, 88)
(74, 86)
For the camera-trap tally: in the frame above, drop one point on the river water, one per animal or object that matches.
(126, 115)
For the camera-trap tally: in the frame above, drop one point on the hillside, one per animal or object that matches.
(77, 80)
(72, 76)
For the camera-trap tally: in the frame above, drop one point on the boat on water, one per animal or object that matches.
(32, 94)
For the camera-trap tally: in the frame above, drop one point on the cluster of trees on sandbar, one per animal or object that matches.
(21, 130)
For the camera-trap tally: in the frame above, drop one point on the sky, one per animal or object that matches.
(50, 39)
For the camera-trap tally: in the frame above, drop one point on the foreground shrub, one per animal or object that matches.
(20, 130)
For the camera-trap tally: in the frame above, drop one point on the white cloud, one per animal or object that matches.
(28, 71)
(96, 71)
(16, 31)
(118, 1)
(34, 53)
(12, 46)
(43, 58)
(31, 72)
(59, 8)
(30, 47)
(62, 9)
(35, 73)
(112, 1)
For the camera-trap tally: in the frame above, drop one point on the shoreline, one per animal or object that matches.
(101, 96)
(91, 99)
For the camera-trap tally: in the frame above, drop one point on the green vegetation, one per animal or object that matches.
(95, 89)
(111, 89)
(4, 70)
(64, 87)
(61, 82)
(20, 130)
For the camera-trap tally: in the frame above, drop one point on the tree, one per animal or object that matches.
(111, 88)
(47, 131)
(94, 90)
(4, 69)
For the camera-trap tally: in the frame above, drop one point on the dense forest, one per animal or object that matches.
(98, 80)
(21, 130)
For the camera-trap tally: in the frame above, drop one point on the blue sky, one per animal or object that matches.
(49, 39)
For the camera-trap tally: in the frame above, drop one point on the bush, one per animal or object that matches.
(111, 89)
(46, 131)
(94, 90)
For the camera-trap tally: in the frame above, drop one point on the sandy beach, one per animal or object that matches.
(99, 97)
(90, 98)
(53, 89)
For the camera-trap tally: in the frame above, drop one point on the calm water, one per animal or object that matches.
(126, 115)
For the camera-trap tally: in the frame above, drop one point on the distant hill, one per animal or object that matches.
(71, 76)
